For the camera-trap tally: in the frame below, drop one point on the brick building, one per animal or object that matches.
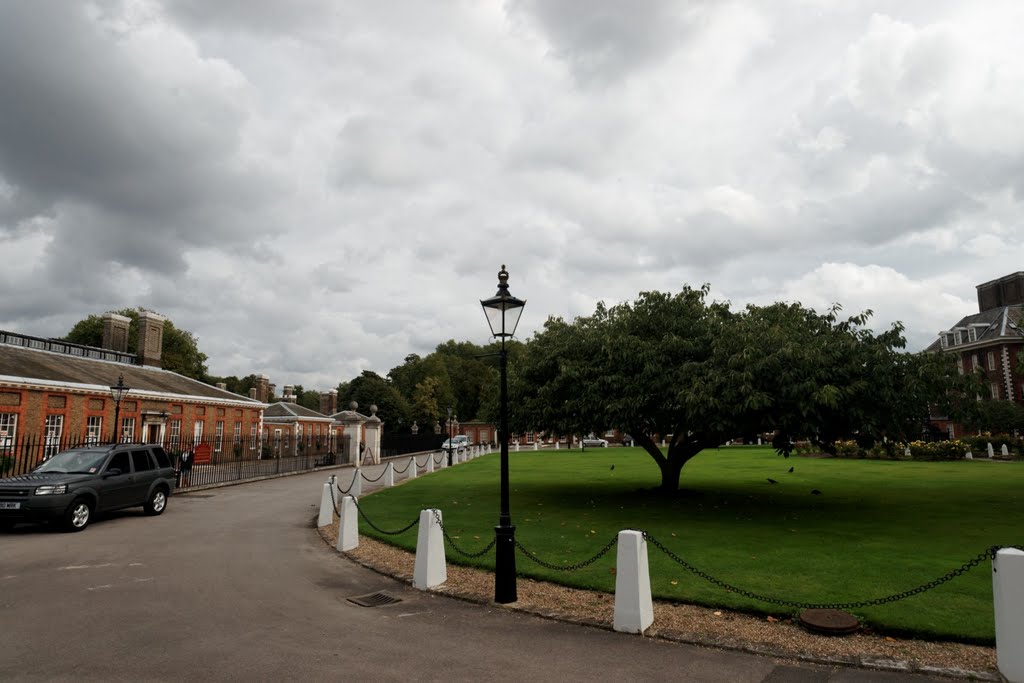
(290, 429)
(990, 342)
(55, 394)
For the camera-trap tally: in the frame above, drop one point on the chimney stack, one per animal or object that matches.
(252, 393)
(115, 332)
(289, 395)
(222, 386)
(329, 402)
(262, 388)
(151, 337)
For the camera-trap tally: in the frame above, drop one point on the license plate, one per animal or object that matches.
(9, 506)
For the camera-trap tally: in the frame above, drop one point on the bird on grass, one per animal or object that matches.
(772, 481)
(612, 467)
(790, 469)
(815, 492)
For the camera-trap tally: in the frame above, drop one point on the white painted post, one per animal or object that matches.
(906, 451)
(348, 526)
(517, 446)
(634, 610)
(326, 504)
(1008, 599)
(389, 475)
(968, 455)
(430, 569)
(990, 453)
(357, 484)
(534, 445)
(430, 463)
(557, 446)
(1005, 451)
(412, 467)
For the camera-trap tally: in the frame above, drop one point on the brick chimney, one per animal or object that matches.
(222, 386)
(262, 388)
(151, 338)
(289, 394)
(1005, 291)
(329, 402)
(115, 332)
(252, 394)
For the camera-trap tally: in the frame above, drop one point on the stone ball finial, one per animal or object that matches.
(373, 409)
(353, 405)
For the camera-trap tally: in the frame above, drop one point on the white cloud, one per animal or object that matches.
(317, 188)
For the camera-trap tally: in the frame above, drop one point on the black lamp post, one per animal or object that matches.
(117, 392)
(451, 435)
(503, 311)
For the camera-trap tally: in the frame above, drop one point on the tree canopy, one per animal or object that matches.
(696, 373)
(180, 352)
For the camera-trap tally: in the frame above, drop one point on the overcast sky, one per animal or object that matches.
(317, 187)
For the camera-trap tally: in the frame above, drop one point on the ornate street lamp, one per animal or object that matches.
(118, 392)
(451, 435)
(503, 311)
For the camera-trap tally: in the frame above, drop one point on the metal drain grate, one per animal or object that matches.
(375, 600)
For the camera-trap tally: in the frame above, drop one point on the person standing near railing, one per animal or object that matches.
(185, 467)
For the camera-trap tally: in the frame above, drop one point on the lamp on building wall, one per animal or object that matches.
(117, 392)
(503, 311)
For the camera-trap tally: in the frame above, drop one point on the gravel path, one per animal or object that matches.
(699, 625)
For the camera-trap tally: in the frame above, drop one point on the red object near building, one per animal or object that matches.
(202, 454)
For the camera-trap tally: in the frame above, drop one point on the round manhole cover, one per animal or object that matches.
(831, 622)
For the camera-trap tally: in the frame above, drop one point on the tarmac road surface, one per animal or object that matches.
(234, 583)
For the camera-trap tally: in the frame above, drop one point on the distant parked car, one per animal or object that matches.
(594, 442)
(74, 485)
(455, 443)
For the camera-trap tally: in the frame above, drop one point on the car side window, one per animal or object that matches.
(161, 457)
(121, 462)
(142, 461)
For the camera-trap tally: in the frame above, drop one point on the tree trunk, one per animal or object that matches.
(671, 466)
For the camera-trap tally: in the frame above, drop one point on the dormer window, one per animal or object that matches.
(943, 340)
(957, 339)
(972, 334)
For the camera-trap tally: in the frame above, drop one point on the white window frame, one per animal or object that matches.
(197, 431)
(991, 360)
(218, 443)
(54, 426)
(972, 334)
(93, 429)
(960, 364)
(943, 340)
(253, 436)
(175, 438)
(127, 429)
(974, 362)
(994, 390)
(8, 431)
(277, 441)
(957, 338)
(238, 433)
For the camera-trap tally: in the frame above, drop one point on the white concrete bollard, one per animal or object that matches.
(535, 445)
(389, 475)
(990, 453)
(430, 569)
(557, 446)
(1008, 600)
(634, 609)
(968, 455)
(430, 463)
(1004, 450)
(906, 452)
(357, 484)
(517, 448)
(348, 525)
(412, 467)
(326, 504)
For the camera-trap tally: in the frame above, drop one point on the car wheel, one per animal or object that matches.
(157, 502)
(78, 515)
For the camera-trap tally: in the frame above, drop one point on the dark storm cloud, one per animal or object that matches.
(86, 135)
(603, 40)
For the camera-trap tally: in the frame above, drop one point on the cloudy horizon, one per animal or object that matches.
(316, 188)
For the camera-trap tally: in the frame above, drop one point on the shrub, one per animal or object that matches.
(938, 450)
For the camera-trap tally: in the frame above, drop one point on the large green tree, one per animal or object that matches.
(180, 351)
(696, 373)
(368, 389)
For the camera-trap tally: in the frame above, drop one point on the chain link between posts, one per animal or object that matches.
(344, 492)
(407, 466)
(571, 567)
(988, 553)
(379, 477)
(451, 542)
(384, 531)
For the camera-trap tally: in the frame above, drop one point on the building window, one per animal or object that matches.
(127, 429)
(991, 361)
(529, 437)
(994, 388)
(93, 429)
(277, 441)
(252, 436)
(54, 429)
(972, 334)
(943, 341)
(960, 364)
(974, 362)
(197, 432)
(219, 436)
(238, 433)
(485, 436)
(175, 434)
(957, 339)
(8, 430)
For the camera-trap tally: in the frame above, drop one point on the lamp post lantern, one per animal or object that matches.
(503, 311)
(117, 392)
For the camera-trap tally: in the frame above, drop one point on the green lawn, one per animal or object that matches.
(877, 528)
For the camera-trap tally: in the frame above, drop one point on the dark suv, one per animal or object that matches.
(75, 484)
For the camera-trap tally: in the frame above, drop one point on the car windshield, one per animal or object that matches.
(73, 461)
